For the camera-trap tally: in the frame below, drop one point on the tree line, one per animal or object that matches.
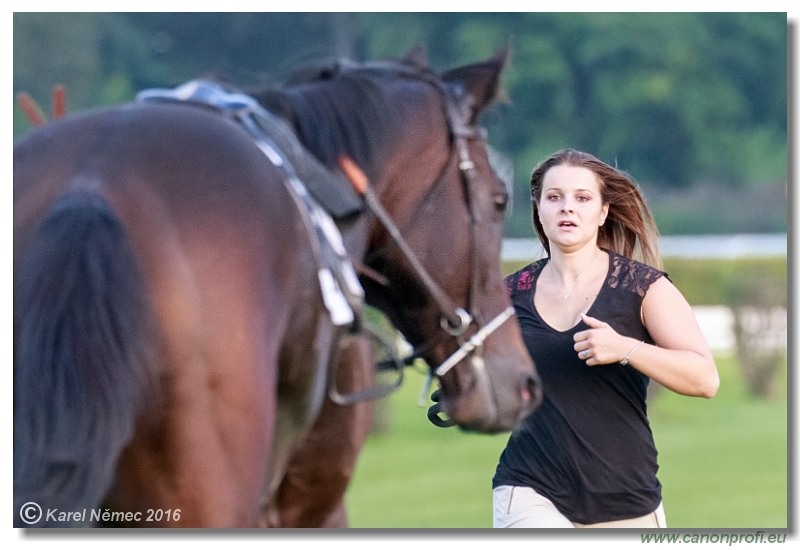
(676, 99)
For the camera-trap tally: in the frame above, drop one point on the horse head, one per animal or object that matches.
(430, 244)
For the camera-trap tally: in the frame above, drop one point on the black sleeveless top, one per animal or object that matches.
(588, 448)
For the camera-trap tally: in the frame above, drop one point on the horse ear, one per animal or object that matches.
(416, 56)
(480, 80)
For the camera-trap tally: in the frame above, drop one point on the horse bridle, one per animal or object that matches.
(455, 320)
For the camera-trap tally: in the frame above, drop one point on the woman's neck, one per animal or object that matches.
(568, 266)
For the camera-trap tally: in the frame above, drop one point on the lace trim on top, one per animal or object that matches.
(522, 280)
(631, 275)
(624, 273)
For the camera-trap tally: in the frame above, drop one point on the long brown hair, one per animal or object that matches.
(629, 228)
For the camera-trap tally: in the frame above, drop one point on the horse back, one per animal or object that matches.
(223, 266)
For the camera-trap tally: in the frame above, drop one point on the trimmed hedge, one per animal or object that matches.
(726, 282)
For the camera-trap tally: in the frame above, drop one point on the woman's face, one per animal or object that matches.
(571, 207)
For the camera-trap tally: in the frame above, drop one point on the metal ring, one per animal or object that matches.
(465, 319)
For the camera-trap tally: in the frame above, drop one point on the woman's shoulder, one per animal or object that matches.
(631, 275)
(522, 279)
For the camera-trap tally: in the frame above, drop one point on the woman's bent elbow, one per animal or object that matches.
(710, 386)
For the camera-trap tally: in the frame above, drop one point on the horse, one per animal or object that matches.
(178, 335)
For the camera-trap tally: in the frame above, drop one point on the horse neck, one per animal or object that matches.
(400, 166)
(401, 191)
(355, 234)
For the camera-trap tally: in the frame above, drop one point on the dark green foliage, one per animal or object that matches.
(682, 101)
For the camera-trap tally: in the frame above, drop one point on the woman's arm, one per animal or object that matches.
(680, 360)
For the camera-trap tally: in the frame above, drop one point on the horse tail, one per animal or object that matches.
(82, 361)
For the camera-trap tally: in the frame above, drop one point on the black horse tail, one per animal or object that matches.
(82, 361)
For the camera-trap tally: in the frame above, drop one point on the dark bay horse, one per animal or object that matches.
(172, 344)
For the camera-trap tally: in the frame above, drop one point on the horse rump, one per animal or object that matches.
(82, 363)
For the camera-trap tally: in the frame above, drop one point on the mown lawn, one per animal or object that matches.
(723, 464)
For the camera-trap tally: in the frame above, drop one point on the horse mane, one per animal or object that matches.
(344, 108)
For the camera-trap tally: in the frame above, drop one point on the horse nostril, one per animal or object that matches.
(526, 392)
(533, 391)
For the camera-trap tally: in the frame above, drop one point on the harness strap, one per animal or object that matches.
(341, 291)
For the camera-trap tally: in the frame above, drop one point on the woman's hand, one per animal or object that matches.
(601, 344)
(679, 360)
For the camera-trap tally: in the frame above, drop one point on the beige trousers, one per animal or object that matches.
(522, 507)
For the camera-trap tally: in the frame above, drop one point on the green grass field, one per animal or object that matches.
(723, 463)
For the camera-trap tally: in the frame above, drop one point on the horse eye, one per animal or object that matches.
(500, 202)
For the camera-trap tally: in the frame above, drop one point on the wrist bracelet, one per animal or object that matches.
(625, 359)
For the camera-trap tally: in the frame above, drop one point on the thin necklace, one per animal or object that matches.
(566, 295)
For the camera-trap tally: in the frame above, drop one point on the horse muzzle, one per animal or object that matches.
(491, 394)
